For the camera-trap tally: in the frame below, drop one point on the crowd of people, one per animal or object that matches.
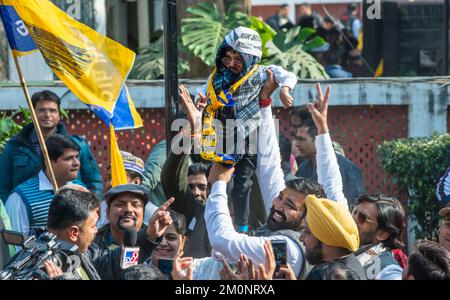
(341, 54)
(329, 235)
(245, 216)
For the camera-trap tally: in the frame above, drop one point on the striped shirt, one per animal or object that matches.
(443, 188)
(27, 206)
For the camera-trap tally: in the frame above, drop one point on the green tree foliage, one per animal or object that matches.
(9, 127)
(288, 49)
(416, 164)
(204, 31)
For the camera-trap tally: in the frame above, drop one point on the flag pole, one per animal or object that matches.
(36, 123)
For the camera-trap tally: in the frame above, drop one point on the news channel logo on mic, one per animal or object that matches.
(130, 257)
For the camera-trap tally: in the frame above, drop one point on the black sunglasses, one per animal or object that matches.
(361, 217)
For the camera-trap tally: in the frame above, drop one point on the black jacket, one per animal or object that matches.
(174, 181)
(352, 180)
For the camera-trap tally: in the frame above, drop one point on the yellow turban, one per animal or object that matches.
(331, 223)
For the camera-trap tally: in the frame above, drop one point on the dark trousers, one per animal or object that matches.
(242, 185)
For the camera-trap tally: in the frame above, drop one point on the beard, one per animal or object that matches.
(315, 255)
(274, 225)
(122, 227)
(201, 201)
(366, 238)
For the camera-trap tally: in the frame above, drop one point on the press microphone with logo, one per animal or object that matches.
(130, 253)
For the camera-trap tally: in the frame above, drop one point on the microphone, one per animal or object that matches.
(130, 254)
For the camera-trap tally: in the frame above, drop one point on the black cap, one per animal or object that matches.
(137, 189)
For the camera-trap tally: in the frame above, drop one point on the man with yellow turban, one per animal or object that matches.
(330, 235)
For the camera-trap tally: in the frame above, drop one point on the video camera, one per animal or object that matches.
(28, 263)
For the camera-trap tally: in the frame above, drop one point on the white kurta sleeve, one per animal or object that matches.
(270, 174)
(224, 238)
(328, 173)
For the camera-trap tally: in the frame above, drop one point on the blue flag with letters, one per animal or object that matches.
(20, 40)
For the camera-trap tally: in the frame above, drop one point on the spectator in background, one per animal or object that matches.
(351, 21)
(21, 158)
(330, 235)
(27, 206)
(429, 261)
(134, 169)
(355, 64)
(380, 220)
(125, 208)
(280, 20)
(443, 197)
(353, 183)
(308, 17)
(333, 65)
(443, 189)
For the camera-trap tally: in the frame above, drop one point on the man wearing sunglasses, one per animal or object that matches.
(380, 220)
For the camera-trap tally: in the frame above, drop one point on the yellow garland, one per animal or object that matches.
(209, 137)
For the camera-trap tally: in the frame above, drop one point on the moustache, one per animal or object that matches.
(273, 211)
(129, 216)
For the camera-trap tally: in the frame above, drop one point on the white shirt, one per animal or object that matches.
(17, 210)
(222, 235)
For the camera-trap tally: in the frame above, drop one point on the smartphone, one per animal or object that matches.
(165, 265)
(280, 252)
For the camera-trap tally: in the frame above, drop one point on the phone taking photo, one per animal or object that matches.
(280, 252)
(165, 265)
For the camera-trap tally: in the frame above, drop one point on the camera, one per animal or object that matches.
(28, 262)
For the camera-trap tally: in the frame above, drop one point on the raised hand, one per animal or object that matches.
(286, 272)
(179, 265)
(192, 111)
(269, 86)
(319, 109)
(266, 271)
(159, 221)
(219, 172)
(245, 270)
(285, 97)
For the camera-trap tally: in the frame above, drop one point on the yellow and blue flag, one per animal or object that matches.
(19, 38)
(91, 65)
(125, 115)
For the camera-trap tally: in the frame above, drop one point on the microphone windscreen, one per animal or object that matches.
(129, 237)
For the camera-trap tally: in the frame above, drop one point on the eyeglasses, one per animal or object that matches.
(229, 61)
(43, 111)
(361, 217)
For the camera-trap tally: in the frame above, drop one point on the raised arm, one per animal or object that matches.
(328, 173)
(270, 174)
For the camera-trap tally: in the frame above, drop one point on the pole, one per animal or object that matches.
(170, 65)
(446, 8)
(36, 124)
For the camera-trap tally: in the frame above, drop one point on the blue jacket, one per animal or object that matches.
(19, 162)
